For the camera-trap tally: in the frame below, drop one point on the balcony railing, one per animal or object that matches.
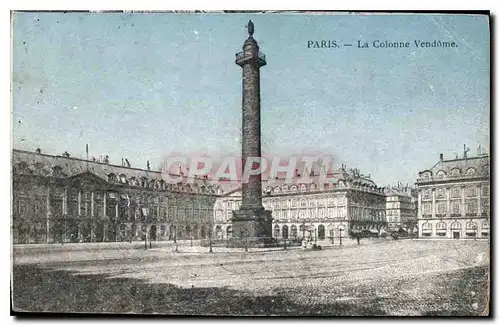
(241, 56)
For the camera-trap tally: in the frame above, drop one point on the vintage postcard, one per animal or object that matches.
(251, 163)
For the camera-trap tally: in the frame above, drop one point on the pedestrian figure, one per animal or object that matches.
(357, 238)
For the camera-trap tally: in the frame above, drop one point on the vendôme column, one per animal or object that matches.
(252, 224)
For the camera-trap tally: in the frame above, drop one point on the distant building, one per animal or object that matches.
(313, 211)
(401, 208)
(454, 198)
(63, 199)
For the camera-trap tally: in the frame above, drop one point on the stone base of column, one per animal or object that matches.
(252, 227)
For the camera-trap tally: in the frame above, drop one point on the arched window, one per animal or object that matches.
(302, 230)
(441, 226)
(321, 232)
(440, 174)
(470, 171)
(303, 187)
(276, 231)
(441, 229)
(471, 226)
(294, 232)
(456, 226)
(285, 232)
(111, 178)
(123, 179)
(277, 190)
(455, 172)
(229, 232)
(218, 232)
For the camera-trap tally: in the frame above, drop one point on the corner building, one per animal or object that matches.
(454, 199)
(401, 209)
(313, 211)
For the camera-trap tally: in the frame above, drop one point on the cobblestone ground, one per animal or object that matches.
(385, 278)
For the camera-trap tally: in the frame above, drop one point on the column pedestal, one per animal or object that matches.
(251, 228)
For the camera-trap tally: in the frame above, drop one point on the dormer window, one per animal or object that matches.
(56, 170)
(471, 171)
(441, 174)
(111, 178)
(123, 179)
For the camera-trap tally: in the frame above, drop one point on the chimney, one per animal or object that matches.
(441, 157)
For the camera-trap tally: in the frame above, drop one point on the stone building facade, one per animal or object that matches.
(313, 211)
(62, 199)
(454, 198)
(401, 208)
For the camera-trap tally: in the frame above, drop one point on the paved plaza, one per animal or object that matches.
(407, 277)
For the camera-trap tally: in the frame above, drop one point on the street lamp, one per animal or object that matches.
(175, 239)
(475, 232)
(210, 239)
(340, 236)
(63, 235)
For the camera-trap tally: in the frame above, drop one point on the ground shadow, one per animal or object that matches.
(37, 289)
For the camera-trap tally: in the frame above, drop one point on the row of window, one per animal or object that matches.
(313, 187)
(38, 208)
(162, 185)
(471, 207)
(456, 192)
(290, 203)
(457, 172)
(427, 227)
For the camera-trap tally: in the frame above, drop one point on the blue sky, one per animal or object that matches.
(144, 85)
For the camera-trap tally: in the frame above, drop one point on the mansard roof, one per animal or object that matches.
(24, 162)
(479, 163)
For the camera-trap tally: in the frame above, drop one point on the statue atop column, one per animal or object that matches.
(250, 28)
